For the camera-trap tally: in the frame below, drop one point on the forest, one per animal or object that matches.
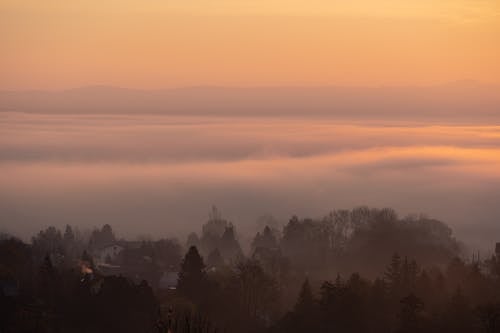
(354, 270)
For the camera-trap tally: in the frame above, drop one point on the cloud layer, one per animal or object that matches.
(160, 174)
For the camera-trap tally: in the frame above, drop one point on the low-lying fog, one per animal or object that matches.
(159, 175)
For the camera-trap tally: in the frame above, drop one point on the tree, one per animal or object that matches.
(267, 240)
(393, 273)
(48, 282)
(409, 273)
(410, 314)
(166, 252)
(215, 224)
(458, 316)
(306, 243)
(16, 260)
(339, 226)
(193, 240)
(489, 315)
(215, 259)
(273, 262)
(306, 302)
(192, 277)
(48, 241)
(69, 236)
(257, 291)
(493, 265)
(344, 305)
(71, 246)
(229, 245)
(102, 237)
(119, 305)
(304, 317)
(212, 231)
(379, 234)
(107, 233)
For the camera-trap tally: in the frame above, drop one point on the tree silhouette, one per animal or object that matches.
(410, 314)
(48, 282)
(257, 291)
(215, 259)
(266, 240)
(212, 231)
(192, 277)
(103, 237)
(229, 246)
(305, 302)
(393, 274)
(489, 315)
(68, 236)
(305, 310)
(458, 316)
(266, 292)
(48, 241)
(193, 240)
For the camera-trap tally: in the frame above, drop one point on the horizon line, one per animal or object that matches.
(464, 82)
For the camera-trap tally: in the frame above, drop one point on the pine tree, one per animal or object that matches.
(305, 303)
(459, 316)
(69, 236)
(267, 240)
(107, 234)
(192, 277)
(47, 281)
(410, 314)
(229, 245)
(393, 273)
(215, 259)
(304, 316)
(193, 240)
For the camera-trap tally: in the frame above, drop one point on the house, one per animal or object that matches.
(109, 269)
(108, 253)
(168, 280)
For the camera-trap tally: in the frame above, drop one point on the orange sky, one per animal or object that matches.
(56, 44)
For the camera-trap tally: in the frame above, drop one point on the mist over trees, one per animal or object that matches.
(362, 239)
(358, 270)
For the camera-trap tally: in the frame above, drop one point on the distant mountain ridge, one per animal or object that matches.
(458, 99)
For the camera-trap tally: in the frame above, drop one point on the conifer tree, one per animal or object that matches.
(393, 273)
(305, 303)
(192, 277)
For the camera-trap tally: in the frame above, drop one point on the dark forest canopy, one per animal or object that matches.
(358, 270)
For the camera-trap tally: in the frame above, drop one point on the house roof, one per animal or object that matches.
(169, 280)
(101, 248)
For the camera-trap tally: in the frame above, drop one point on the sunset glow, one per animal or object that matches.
(56, 44)
(250, 166)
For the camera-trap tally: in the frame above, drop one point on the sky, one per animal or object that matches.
(150, 44)
(143, 114)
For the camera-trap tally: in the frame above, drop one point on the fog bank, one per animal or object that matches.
(160, 174)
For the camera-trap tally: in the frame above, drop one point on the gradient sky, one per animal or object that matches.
(58, 44)
(154, 162)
